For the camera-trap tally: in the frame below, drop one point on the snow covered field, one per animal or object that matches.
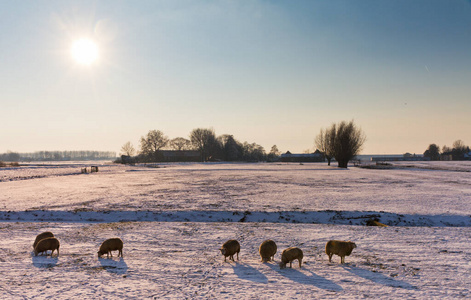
(174, 218)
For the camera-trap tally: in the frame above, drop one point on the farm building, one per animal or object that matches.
(317, 156)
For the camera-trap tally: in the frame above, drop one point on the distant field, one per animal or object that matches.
(419, 188)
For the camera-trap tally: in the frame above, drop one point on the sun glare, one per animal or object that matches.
(84, 51)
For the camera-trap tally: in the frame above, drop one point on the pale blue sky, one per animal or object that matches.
(270, 72)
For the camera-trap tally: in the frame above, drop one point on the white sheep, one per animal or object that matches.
(290, 254)
(267, 250)
(340, 248)
(49, 243)
(42, 236)
(230, 248)
(111, 245)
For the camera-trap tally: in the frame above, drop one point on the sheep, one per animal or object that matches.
(42, 236)
(50, 243)
(290, 254)
(341, 248)
(229, 248)
(267, 250)
(111, 245)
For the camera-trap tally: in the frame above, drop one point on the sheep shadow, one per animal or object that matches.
(244, 271)
(379, 278)
(114, 266)
(313, 279)
(44, 261)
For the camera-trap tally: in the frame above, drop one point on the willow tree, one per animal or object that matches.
(342, 141)
(347, 142)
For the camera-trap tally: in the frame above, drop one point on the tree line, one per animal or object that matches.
(57, 155)
(211, 147)
(458, 151)
(342, 141)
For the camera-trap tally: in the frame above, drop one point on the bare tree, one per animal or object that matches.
(274, 150)
(446, 149)
(152, 143)
(180, 144)
(274, 154)
(231, 148)
(459, 149)
(253, 152)
(205, 141)
(128, 149)
(459, 146)
(348, 142)
(324, 142)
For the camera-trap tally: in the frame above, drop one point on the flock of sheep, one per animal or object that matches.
(268, 249)
(46, 241)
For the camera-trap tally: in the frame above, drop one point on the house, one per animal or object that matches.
(317, 156)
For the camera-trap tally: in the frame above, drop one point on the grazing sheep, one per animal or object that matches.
(111, 245)
(267, 250)
(341, 248)
(42, 236)
(290, 254)
(230, 248)
(50, 243)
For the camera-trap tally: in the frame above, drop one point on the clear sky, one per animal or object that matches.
(270, 72)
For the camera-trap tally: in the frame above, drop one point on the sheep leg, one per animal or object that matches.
(300, 262)
(342, 259)
(237, 255)
(120, 253)
(290, 264)
(330, 257)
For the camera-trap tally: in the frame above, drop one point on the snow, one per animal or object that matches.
(173, 218)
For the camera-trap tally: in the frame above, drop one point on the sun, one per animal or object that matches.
(84, 51)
